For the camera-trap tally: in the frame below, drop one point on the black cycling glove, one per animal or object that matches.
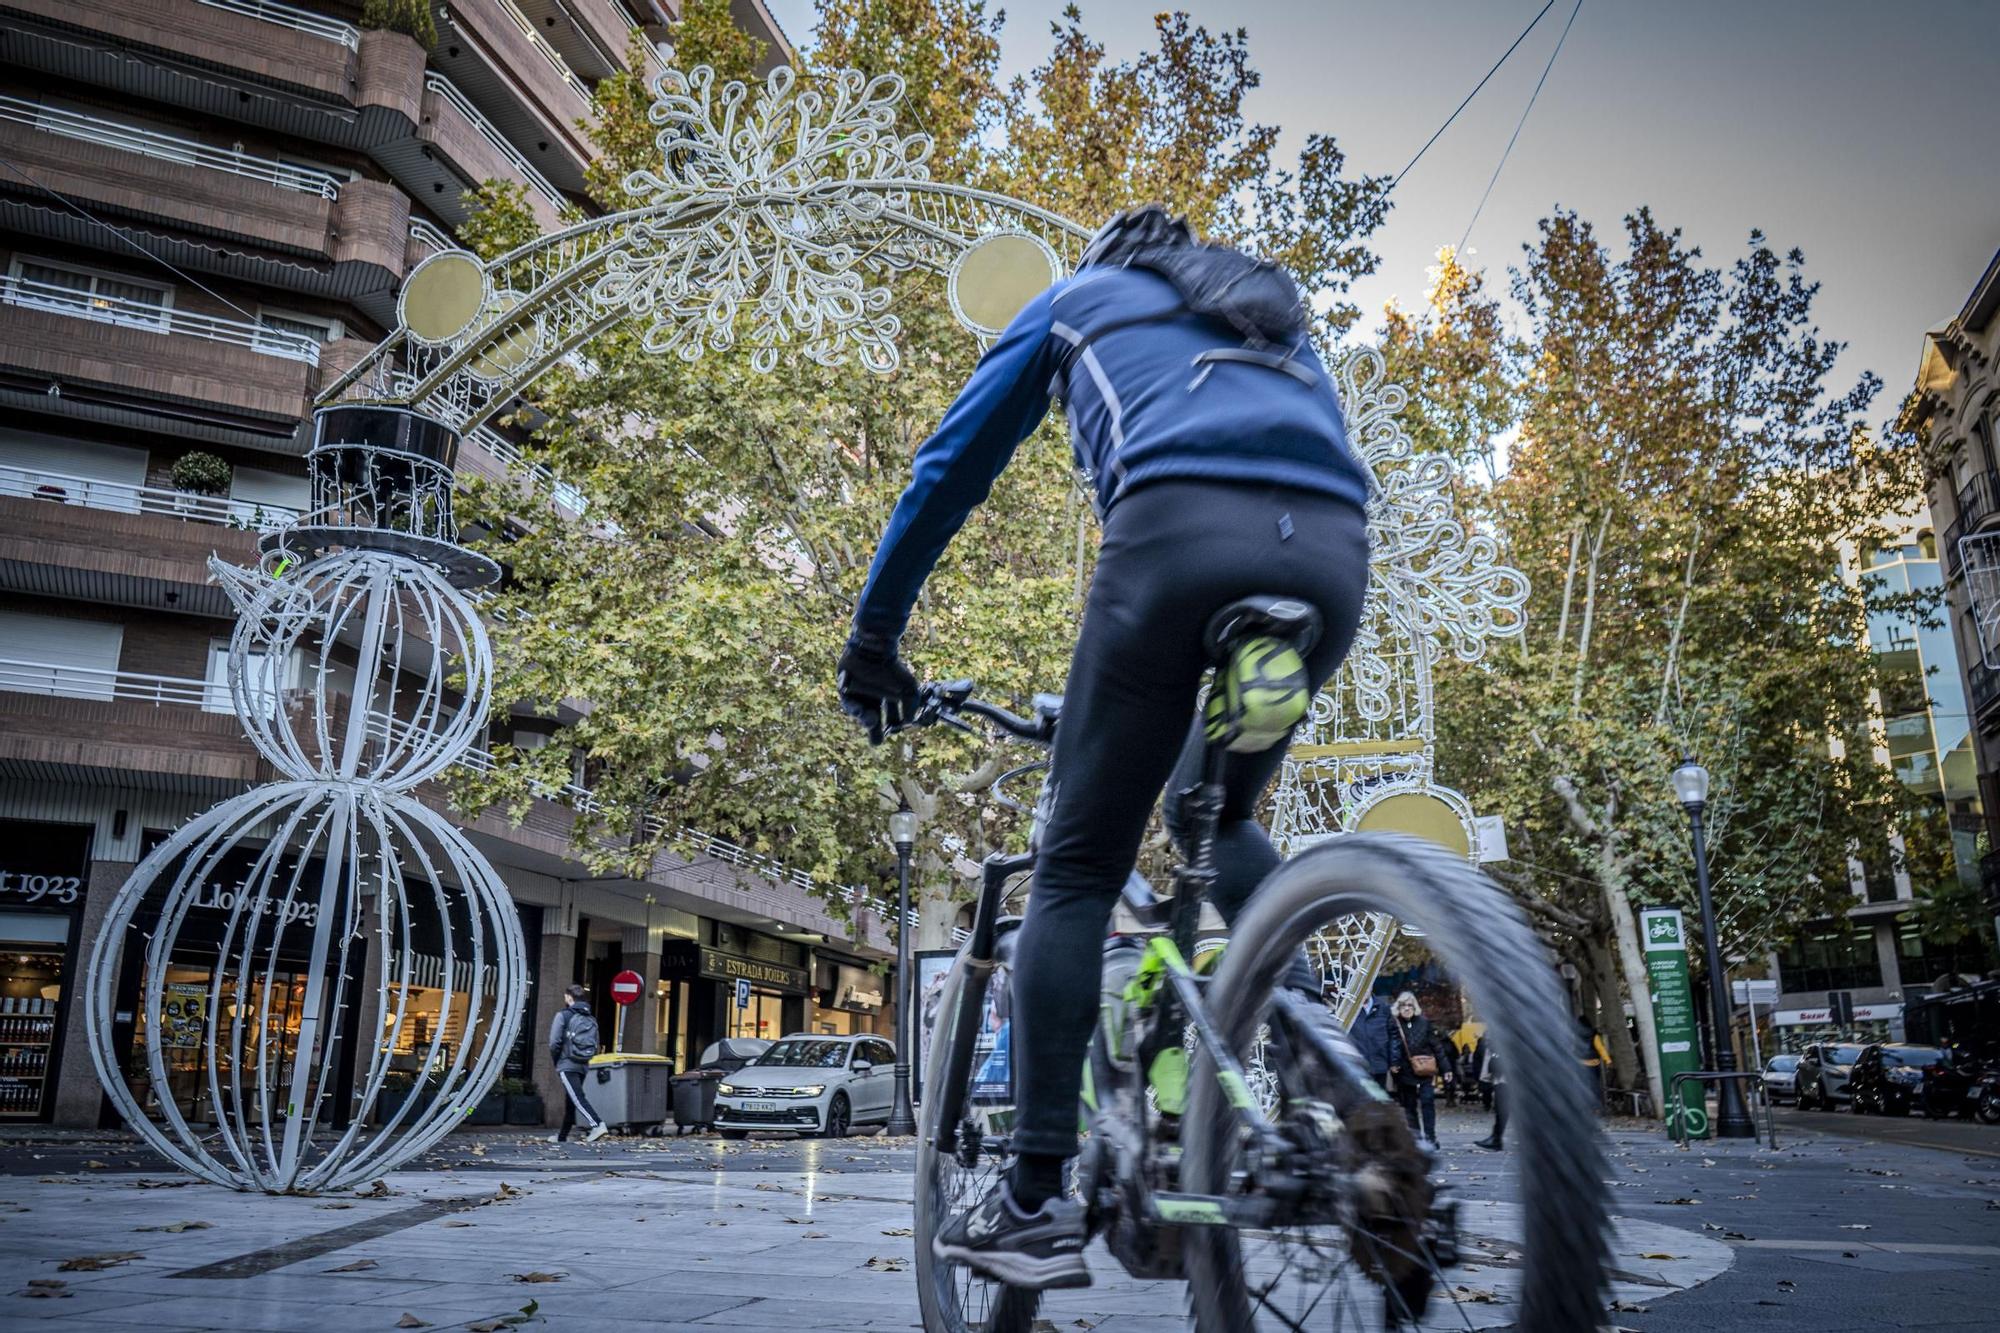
(876, 689)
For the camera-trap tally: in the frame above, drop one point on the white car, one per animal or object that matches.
(809, 1085)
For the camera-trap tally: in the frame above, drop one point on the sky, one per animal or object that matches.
(1860, 131)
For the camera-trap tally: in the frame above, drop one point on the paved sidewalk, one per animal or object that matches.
(777, 1234)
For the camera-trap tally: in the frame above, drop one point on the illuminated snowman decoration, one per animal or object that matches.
(335, 937)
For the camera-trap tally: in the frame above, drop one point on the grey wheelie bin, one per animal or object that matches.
(630, 1091)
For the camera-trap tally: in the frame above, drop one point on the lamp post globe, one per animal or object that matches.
(1732, 1119)
(902, 832)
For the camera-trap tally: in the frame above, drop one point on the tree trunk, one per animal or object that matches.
(1625, 934)
(937, 912)
(1598, 965)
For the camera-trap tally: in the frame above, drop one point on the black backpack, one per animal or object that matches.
(579, 1041)
(1255, 298)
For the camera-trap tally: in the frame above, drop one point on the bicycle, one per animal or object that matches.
(1273, 1208)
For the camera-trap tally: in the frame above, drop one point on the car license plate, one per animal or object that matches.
(760, 1106)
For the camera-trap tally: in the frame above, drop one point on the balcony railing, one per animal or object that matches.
(298, 20)
(167, 147)
(122, 497)
(159, 319)
(75, 682)
(1974, 503)
(1985, 685)
(556, 61)
(564, 494)
(444, 88)
(423, 233)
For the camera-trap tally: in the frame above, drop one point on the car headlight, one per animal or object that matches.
(726, 1089)
(812, 1090)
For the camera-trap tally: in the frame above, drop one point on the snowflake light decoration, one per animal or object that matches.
(757, 210)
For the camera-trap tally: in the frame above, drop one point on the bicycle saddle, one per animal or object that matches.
(1285, 618)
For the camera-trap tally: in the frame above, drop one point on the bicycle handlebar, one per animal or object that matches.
(950, 702)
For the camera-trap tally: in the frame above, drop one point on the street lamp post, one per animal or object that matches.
(902, 832)
(1733, 1117)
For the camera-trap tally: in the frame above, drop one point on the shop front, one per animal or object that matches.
(44, 873)
(847, 997)
(714, 993)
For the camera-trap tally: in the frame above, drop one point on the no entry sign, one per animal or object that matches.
(625, 987)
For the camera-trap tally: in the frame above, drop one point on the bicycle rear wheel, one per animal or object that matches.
(952, 1297)
(1274, 1279)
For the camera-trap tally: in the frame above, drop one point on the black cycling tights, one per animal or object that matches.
(1174, 553)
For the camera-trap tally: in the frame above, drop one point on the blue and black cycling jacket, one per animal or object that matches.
(1141, 409)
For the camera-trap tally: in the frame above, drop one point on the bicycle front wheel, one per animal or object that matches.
(953, 1298)
(1277, 1277)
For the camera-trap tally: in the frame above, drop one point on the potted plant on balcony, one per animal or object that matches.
(199, 473)
(412, 18)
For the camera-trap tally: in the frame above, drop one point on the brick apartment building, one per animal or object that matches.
(206, 210)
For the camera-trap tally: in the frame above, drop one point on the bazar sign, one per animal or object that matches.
(1798, 1017)
(57, 888)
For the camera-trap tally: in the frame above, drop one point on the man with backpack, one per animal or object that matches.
(572, 1041)
(1213, 441)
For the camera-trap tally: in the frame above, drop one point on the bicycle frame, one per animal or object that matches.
(1164, 989)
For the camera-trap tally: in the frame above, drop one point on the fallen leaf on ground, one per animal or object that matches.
(1630, 1307)
(1855, 1226)
(885, 1264)
(898, 1231)
(537, 1277)
(459, 1222)
(1676, 1201)
(96, 1165)
(379, 1190)
(1659, 1256)
(178, 1227)
(814, 1235)
(358, 1266)
(91, 1263)
(411, 1321)
(333, 1205)
(1475, 1295)
(46, 1288)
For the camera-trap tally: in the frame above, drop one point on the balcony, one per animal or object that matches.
(264, 63)
(70, 724)
(455, 148)
(272, 214)
(122, 498)
(1983, 687)
(590, 35)
(121, 545)
(1976, 502)
(492, 53)
(158, 367)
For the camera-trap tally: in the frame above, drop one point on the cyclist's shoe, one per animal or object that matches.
(1034, 1250)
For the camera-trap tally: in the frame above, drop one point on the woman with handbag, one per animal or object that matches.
(1415, 1064)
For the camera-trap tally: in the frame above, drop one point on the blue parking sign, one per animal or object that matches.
(742, 992)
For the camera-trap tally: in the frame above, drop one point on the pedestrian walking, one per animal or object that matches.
(573, 1040)
(1492, 1081)
(1596, 1059)
(1370, 1034)
(1416, 1062)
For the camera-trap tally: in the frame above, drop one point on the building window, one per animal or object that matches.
(1837, 955)
(290, 327)
(106, 297)
(1924, 961)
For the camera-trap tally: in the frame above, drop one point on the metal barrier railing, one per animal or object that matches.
(167, 147)
(1678, 1110)
(127, 314)
(125, 498)
(298, 20)
(446, 89)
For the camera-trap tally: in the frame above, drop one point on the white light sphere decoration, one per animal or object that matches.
(303, 943)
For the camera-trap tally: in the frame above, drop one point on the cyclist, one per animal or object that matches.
(1214, 442)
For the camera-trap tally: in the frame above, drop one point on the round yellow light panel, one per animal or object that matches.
(442, 296)
(997, 275)
(1421, 815)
